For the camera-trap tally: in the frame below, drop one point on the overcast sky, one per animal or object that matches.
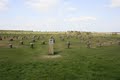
(60, 15)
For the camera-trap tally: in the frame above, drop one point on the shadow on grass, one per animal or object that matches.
(68, 48)
(57, 52)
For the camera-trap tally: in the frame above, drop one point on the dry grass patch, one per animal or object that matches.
(51, 56)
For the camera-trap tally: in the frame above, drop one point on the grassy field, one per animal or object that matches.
(77, 63)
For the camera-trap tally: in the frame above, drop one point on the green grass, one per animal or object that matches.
(76, 63)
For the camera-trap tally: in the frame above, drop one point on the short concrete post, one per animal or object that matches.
(31, 45)
(21, 42)
(68, 44)
(10, 46)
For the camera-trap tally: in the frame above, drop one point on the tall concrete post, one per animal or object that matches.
(51, 46)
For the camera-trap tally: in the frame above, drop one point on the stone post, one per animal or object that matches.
(51, 46)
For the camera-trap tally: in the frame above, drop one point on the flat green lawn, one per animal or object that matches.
(76, 63)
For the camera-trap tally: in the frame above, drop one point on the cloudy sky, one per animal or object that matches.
(60, 15)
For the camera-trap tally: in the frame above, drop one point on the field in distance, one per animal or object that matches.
(91, 56)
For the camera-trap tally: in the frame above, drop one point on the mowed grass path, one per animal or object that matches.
(76, 63)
